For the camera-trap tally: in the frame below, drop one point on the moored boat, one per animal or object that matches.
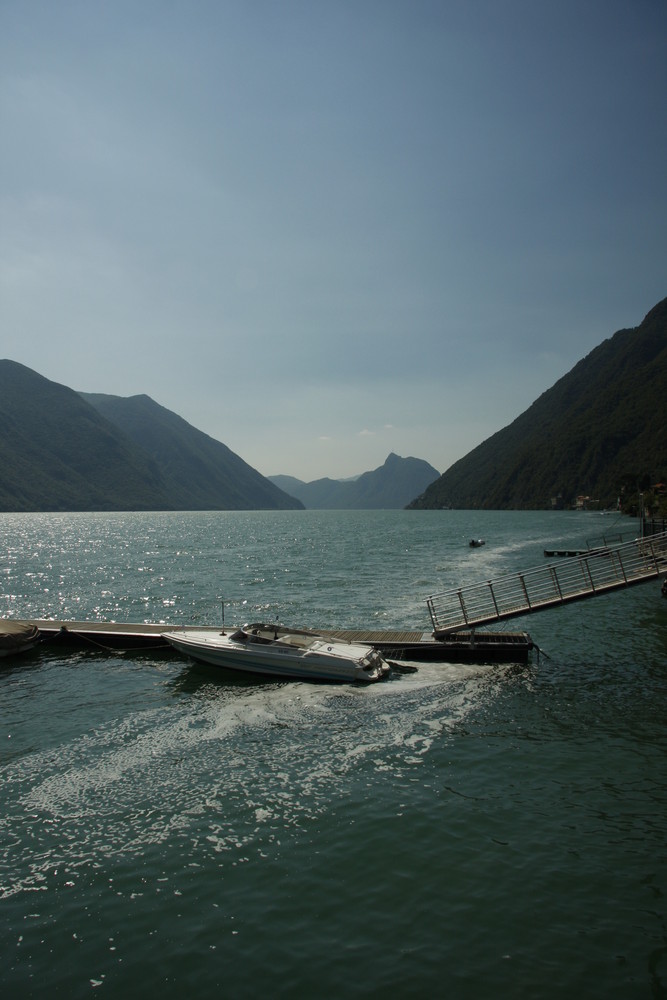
(17, 637)
(263, 649)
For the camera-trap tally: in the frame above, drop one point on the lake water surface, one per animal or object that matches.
(466, 831)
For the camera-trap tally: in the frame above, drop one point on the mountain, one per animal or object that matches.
(199, 472)
(59, 452)
(600, 430)
(391, 486)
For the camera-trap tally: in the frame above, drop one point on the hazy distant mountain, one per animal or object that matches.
(600, 429)
(288, 484)
(391, 486)
(59, 452)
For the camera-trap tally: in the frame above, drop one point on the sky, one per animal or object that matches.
(321, 232)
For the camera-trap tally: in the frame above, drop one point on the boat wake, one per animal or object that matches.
(230, 770)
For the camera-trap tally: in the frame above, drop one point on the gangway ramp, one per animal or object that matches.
(598, 571)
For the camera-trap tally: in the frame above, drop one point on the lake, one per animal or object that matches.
(469, 831)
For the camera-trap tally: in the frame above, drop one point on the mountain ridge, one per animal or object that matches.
(59, 449)
(59, 452)
(390, 486)
(182, 452)
(599, 430)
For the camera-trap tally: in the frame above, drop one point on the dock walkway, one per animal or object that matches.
(462, 647)
(586, 575)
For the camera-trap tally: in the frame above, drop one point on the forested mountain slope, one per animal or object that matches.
(58, 451)
(199, 472)
(599, 430)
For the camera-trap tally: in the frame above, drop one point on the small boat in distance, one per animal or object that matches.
(475, 543)
(265, 649)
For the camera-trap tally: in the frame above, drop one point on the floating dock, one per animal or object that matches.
(455, 614)
(565, 553)
(463, 647)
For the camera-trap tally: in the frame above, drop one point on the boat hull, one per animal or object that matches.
(18, 637)
(322, 661)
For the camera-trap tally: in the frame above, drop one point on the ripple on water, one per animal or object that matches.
(242, 768)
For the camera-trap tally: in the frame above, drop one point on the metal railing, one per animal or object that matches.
(598, 571)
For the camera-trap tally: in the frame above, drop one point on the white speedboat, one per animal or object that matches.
(263, 649)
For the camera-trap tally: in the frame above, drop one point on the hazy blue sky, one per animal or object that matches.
(322, 231)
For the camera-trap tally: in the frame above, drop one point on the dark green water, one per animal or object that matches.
(484, 831)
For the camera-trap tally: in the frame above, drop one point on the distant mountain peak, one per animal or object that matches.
(393, 485)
